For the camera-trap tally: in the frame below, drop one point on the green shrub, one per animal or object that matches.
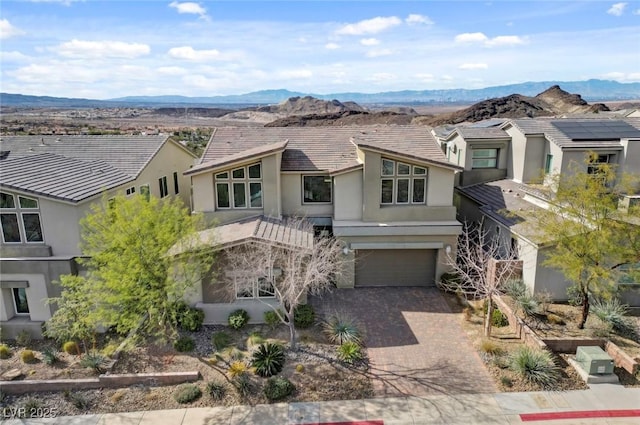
(184, 344)
(268, 359)
(340, 329)
(50, 355)
(506, 381)
(450, 278)
(78, 400)
(191, 319)
(220, 340)
(349, 352)
(5, 351)
(23, 339)
(238, 319)
(278, 388)
(271, 318)
(536, 366)
(242, 384)
(613, 313)
(27, 356)
(95, 361)
(186, 393)
(30, 406)
(71, 347)
(498, 319)
(304, 316)
(216, 390)
(110, 349)
(515, 288)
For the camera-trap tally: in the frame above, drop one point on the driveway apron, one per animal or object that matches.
(416, 344)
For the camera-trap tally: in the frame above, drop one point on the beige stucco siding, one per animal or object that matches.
(203, 192)
(61, 227)
(347, 195)
(631, 156)
(292, 204)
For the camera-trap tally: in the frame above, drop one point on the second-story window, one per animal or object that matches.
(239, 188)
(164, 189)
(402, 184)
(485, 158)
(20, 219)
(316, 189)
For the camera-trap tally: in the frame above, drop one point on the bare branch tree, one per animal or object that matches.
(481, 266)
(288, 272)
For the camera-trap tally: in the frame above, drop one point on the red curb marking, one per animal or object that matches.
(586, 414)
(348, 423)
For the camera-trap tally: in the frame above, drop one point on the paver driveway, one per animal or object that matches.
(416, 345)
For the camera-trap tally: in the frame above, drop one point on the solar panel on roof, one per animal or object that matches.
(596, 130)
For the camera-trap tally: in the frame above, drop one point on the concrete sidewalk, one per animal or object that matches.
(501, 408)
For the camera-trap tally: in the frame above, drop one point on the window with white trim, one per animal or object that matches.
(484, 158)
(20, 300)
(20, 220)
(145, 191)
(316, 189)
(164, 189)
(402, 184)
(131, 190)
(239, 188)
(261, 288)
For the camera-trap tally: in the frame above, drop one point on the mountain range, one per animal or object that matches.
(592, 90)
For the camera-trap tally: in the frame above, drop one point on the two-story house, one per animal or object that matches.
(386, 191)
(531, 150)
(47, 184)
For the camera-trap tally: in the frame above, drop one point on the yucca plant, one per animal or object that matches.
(268, 359)
(536, 366)
(613, 313)
(340, 329)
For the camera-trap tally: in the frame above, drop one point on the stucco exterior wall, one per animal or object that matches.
(534, 159)
(292, 205)
(630, 160)
(347, 196)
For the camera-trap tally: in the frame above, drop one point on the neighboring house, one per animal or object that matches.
(47, 184)
(533, 149)
(386, 191)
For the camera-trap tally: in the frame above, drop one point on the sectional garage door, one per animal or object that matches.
(395, 267)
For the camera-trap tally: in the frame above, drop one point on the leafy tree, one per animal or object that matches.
(132, 280)
(590, 239)
(290, 272)
(476, 271)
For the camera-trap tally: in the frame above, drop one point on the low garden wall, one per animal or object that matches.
(564, 345)
(102, 381)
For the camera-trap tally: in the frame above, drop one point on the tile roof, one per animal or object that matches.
(253, 229)
(129, 154)
(325, 148)
(530, 126)
(59, 176)
(255, 152)
(481, 133)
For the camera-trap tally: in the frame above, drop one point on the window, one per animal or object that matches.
(595, 163)
(485, 158)
(20, 300)
(262, 288)
(239, 188)
(131, 190)
(20, 221)
(164, 190)
(547, 163)
(176, 189)
(316, 189)
(402, 184)
(145, 191)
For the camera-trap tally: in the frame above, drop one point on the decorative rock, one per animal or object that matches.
(12, 374)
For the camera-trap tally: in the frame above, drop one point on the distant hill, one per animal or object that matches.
(551, 102)
(591, 90)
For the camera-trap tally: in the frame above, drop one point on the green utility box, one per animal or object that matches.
(594, 360)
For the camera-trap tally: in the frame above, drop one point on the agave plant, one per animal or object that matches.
(340, 329)
(268, 359)
(535, 366)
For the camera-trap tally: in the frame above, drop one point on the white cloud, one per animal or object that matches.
(101, 49)
(617, 9)
(171, 70)
(189, 8)
(381, 77)
(636, 12)
(370, 26)
(415, 19)
(64, 2)
(191, 54)
(296, 74)
(7, 30)
(471, 37)
(331, 46)
(13, 57)
(505, 40)
(425, 77)
(376, 53)
(622, 77)
(369, 41)
(478, 37)
(471, 66)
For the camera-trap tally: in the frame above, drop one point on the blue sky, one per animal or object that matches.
(107, 49)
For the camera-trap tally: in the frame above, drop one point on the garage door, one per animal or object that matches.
(395, 267)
